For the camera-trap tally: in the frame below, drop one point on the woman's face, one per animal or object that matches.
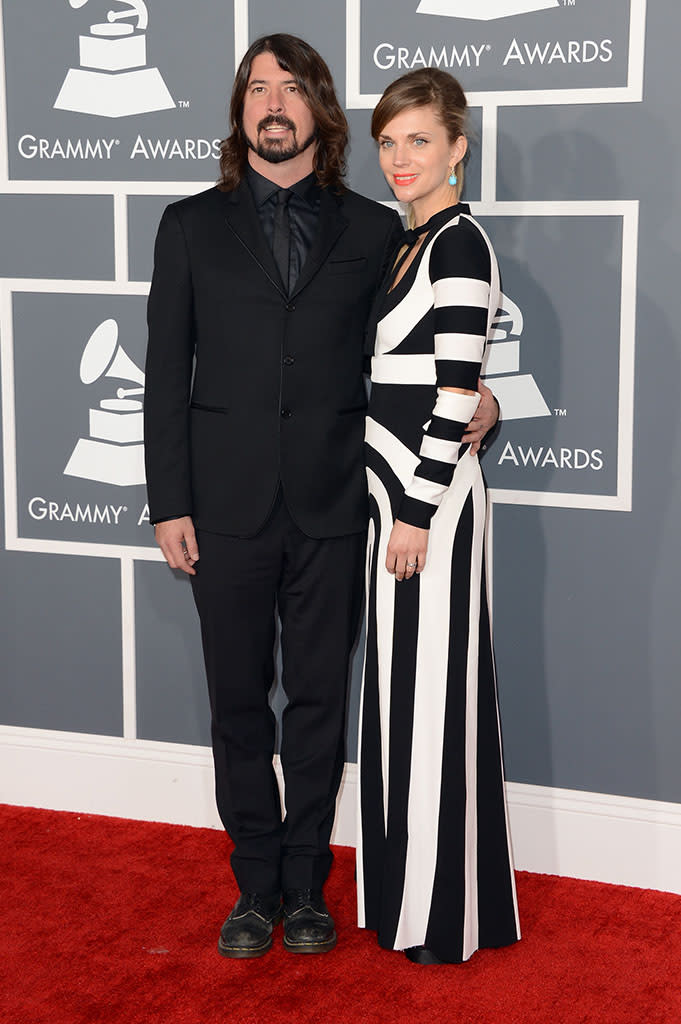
(417, 157)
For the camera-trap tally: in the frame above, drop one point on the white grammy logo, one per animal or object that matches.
(518, 396)
(114, 452)
(113, 79)
(483, 10)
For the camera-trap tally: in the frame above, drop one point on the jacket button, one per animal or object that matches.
(286, 414)
(290, 307)
(289, 360)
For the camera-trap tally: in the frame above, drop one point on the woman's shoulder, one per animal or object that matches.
(460, 249)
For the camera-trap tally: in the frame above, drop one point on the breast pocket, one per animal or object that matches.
(202, 407)
(351, 265)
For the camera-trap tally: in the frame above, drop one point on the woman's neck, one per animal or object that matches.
(421, 212)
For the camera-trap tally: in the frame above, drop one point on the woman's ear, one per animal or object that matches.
(458, 150)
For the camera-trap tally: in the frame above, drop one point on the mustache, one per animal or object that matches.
(278, 119)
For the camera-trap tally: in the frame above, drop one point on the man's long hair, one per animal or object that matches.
(316, 84)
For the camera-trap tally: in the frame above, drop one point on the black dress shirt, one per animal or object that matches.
(303, 211)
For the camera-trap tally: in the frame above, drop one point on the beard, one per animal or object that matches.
(276, 151)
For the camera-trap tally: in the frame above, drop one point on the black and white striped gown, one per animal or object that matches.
(434, 864)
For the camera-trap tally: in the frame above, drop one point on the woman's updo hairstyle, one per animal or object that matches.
(425, 87)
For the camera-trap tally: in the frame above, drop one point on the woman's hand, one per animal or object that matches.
(406, 550)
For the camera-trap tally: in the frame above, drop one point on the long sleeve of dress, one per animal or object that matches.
(460, 271)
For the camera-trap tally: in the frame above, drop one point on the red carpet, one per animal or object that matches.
(105, 920)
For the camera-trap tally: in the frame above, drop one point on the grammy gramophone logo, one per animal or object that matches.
(483, 10)
(114, 451)
(517, 393)
(113, 79)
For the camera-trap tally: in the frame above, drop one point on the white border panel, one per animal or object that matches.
(12, 540)
(631, 93)
(150, 188)
(615, 839)
(628, 210)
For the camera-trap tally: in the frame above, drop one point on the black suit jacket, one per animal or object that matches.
(246, 386)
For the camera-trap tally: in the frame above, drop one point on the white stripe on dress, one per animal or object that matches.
(385, 618)
(452, 405)
(393, 328)
(401, 460)
(461, 291)
(471, 919)
(359, 846)
(427, 491)
(509, 841)
(403, 318)
(438, 449)
(430, 698)
(403, 369)
(466, 348)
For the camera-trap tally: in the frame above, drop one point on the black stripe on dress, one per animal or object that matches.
(419, 340)
(461, 320)
(435, 471)
(402, 682)
(457, 373)
(496, 908)
(371, 781)
(446, 430)
(445, 924)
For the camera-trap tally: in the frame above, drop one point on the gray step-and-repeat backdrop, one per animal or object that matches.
(109, 109)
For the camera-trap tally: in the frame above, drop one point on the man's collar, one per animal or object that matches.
(262, 188)
(307, 189)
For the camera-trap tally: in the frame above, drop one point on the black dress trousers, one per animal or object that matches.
(317, 586)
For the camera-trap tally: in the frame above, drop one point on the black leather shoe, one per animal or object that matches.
(421, 955)
(247, 932)
(308, 925)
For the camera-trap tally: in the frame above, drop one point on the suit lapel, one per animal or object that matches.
(332, 224)
(242, 220)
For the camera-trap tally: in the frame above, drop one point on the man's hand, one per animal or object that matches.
(406, 550)
(486, 415)
(177, 541)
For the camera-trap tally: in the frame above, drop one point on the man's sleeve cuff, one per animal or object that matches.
(167, 519)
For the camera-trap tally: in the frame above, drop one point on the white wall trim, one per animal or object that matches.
(120, 201)
(129, 648)
(241, 40)
(616, 839)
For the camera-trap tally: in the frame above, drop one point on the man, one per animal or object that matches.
(255, 405)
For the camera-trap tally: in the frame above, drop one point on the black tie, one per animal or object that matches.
(281, 236)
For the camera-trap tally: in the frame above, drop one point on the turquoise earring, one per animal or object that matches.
(453, 179)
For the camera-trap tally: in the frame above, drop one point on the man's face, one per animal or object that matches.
(276, 119)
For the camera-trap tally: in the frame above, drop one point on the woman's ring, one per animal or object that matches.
(412, 565)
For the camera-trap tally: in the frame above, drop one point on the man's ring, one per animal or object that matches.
(412, 565)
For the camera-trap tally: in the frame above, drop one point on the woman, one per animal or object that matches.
(435, 875)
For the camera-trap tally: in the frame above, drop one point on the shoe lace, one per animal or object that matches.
(251, 901)
(300, 897)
